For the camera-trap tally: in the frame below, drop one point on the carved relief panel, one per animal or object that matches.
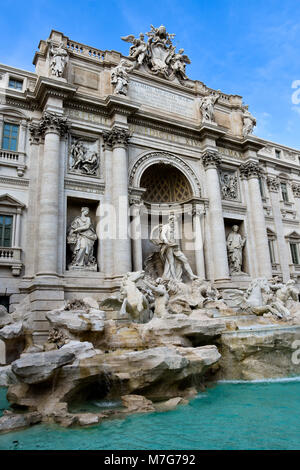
(84, 156)
(229, 185)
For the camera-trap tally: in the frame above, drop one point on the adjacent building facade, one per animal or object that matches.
(97, 149)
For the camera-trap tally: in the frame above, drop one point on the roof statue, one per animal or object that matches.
(158, 55)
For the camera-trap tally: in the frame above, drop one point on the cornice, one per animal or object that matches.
(120, 105)
(236, 207)
(84, 186)
(50, 87)
(10, 180)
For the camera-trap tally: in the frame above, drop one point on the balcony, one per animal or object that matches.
(16, 159)
(11, 257)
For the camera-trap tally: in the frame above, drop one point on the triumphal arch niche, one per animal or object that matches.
(96, 142)
(170, 188)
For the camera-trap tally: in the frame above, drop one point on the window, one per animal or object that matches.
(271, 251)
(277, 153)
(284, 192)
(10, 137)
(16, 84)
(6, 227)
(294, 253)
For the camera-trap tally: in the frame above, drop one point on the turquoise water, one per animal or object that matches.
(228, 416)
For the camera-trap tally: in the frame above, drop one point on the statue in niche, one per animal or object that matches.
(229, 186)
(249, 122)
(120, 77)
(207, 106)
(81, 238)
(235, 245)
(58, 59)
(138, 49)
(82, 160)
(173, 259)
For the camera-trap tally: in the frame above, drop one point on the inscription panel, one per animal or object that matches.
(162, 99)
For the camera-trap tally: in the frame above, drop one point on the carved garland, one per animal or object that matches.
(296, 189)
(164, 157)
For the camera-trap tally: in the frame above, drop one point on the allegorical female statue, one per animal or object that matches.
(81, 238)
(59, 57)
(235, 245)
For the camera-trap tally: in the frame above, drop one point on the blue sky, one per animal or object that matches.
(250, 48)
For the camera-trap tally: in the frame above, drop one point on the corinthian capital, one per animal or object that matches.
(52, 122)
(35, 133)
(250, 169)
(273, 183)
(117, 137)
(211, 159)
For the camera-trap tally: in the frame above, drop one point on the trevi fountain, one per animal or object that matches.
(196, 290)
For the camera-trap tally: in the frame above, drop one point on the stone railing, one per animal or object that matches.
(16, 159)
(11, 257)
(85, 50)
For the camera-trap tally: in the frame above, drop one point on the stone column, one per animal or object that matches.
(251, 171)
(122, 243)
(32, 212)
(198, 242)
(136, 233)
(106, 212)
(211, 161)
(52, 126)
(274, 186)
(1, 130)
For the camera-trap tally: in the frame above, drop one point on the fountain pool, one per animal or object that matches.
(257, 415)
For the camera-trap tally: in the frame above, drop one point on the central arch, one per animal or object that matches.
(172, 162)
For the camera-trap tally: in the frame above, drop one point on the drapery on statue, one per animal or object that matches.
(83, 161)
(178, 62)
(249, 122)
(120, 77)
(207, 106)
(138, 49)
(172, 257)
(158, 55)
(59, 57)
(235, 245)
(81, 238)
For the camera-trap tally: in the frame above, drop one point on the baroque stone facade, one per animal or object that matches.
(94, 145)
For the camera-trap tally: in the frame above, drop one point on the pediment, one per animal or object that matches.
(14, 113)
(293, 235)
(9, 201)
